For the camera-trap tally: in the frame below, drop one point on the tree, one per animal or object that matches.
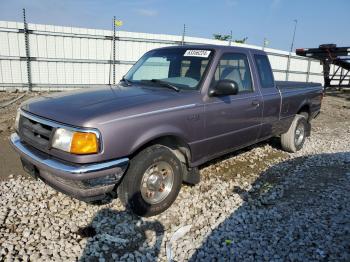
(228, 37)
(242, 41)
(221, 37)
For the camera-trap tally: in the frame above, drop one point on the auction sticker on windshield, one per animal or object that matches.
(197, 53)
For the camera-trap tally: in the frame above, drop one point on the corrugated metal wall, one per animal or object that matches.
(69, 57)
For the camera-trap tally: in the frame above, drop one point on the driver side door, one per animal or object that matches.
(233, 121)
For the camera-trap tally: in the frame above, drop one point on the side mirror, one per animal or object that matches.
(224, 87)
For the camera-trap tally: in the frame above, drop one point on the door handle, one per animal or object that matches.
(256, 103)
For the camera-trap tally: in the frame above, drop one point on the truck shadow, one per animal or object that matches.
(121, 236)
(297, 210)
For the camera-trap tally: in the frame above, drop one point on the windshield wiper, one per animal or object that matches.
(165, 84)
(126, 81)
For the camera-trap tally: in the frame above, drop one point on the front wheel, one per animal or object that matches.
(152, 181)
(294, 139)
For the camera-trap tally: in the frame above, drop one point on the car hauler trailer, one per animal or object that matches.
(330, 54)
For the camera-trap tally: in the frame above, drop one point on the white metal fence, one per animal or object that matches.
(59, 57)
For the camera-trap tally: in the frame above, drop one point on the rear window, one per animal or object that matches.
(264, 70)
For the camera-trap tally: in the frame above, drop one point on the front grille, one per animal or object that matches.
(35, 133)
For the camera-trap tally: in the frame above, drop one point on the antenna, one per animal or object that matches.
(295, 29)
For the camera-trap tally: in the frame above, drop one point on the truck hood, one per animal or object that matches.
(85, 107)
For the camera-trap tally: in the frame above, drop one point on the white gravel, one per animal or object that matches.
(260, 204)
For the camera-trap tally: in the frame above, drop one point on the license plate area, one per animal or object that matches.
(29, 168)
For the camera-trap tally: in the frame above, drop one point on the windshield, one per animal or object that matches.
(180, 67)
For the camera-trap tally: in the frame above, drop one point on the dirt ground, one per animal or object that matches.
(334, 113)
(9, 161)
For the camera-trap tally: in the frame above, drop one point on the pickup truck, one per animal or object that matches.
(176, 108)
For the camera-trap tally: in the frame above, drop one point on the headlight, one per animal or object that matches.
(62, 139)
(18, 115)
(75, 142)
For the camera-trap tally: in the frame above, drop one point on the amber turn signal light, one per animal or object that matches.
(84, 143)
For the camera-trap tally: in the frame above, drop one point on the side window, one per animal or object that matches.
(264, 70)
(235, 67)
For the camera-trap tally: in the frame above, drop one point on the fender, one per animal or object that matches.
(158, 132)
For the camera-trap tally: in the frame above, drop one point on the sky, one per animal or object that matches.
(319, 21)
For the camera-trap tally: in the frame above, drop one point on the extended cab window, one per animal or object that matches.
(235, 67)
(264, 70)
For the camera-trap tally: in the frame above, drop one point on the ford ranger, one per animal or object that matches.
(176, 108)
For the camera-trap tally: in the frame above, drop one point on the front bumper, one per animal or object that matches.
(86, 182)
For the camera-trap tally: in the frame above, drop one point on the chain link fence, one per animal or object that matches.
(46, 57)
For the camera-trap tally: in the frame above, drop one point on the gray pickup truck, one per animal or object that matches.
(175, 109)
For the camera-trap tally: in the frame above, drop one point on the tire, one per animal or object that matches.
(294, 139)
(147, 188)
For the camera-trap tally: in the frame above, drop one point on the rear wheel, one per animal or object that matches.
(152, 181)
(294, 139)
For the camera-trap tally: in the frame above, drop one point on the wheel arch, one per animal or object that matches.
(305, 108)
(175, 142)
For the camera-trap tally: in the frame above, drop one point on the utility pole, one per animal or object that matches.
(113, 50)
(183, 35)
(116, 23)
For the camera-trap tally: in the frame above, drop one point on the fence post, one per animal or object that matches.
(27, 48)
(308, 70)
(288, 66)
(230, 41)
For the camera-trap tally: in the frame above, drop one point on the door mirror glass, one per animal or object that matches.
(224, 87)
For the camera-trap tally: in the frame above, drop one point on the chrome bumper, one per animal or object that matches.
(86, 182)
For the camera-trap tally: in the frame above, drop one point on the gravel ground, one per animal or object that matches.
(256, 204)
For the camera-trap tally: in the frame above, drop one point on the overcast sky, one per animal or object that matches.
(319, 21)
